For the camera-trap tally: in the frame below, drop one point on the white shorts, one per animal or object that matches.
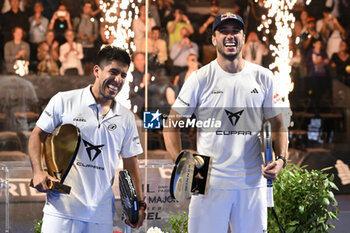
(244, 210)
(55, 224)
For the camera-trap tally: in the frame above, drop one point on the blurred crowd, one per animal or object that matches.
(61, 38)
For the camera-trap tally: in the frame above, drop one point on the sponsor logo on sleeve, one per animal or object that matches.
(276, 98)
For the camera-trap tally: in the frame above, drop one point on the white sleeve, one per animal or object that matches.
(188, 98)
(50, 118)
(131, 143)
(272, 105)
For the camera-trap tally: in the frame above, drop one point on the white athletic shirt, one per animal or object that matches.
(250, 96)
(103, 141)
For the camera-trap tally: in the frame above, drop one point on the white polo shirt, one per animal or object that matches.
(103, 141)
(239, 101)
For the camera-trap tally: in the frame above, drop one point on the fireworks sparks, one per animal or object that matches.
(117, 20)
(279, 14)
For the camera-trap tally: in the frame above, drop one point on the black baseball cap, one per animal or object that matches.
(220, 19)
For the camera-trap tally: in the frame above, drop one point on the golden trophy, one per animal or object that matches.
(59, 151)
(190, 175)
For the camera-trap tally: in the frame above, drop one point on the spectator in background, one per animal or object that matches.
(340, 61)
(331, 30)
(310, 36)
(137, 86)
(153, 12)
(60, 23)
(174, 27)
(48, 55)
(254, 50)
(205, 32)
(71, 54)
(156, 47)
(86, 28)
(38, 24)
(73, 6)
(181, 50)
(6, 5)
(37, 31)
(50, 6)
(303, 19)
(16, 49)
(13, 18)
(317, 61)
(192, 65)
(139, 26)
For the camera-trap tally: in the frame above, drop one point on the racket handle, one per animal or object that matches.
(127, 228)
(270, 196)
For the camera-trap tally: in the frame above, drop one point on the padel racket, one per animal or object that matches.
(128, 198)
(268, 158)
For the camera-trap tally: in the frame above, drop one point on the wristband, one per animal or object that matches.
(142, 205)
(283, 159)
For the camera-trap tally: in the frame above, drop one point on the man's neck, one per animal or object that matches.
(234, 66)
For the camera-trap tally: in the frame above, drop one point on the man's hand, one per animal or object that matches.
(271, 170)
(142, 216)
(41, 180)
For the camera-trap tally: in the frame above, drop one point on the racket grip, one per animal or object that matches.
(270, 196)
(127, 228)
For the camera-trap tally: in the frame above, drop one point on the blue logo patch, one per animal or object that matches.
(151, 120)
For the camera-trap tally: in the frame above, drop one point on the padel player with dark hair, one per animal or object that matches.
(244, 94)
(108, 133)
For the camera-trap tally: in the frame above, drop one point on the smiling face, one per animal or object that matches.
(17, 34)
(229, 39)
(109, 79)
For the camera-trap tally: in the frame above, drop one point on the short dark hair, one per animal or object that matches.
(110, 53)
(156, 28)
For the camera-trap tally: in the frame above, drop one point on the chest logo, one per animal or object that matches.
(112, 127)
(92, 151)
(235, 115)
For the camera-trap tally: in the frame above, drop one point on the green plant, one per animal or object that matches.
(37, 226)
(304, 200)
(178, 223)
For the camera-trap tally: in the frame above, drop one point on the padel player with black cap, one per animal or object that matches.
(108, 134)
(244, 94)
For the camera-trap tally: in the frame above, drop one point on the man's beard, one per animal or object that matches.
(106, 96)
(230, 57)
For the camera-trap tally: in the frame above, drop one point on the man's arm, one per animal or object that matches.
(172, 137)
(280, 140)
(40, 177)
(132, 165)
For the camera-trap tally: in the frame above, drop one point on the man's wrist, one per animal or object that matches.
(283, 159)
(142, 205)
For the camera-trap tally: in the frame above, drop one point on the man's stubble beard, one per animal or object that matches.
(230, 57)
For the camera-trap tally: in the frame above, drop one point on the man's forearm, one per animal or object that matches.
(172, 140)
(172, 137)
(279, 135)
(34, 149)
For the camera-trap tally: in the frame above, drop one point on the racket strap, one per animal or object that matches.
(278, 222)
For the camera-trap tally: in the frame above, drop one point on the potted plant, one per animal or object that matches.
(304, 200)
